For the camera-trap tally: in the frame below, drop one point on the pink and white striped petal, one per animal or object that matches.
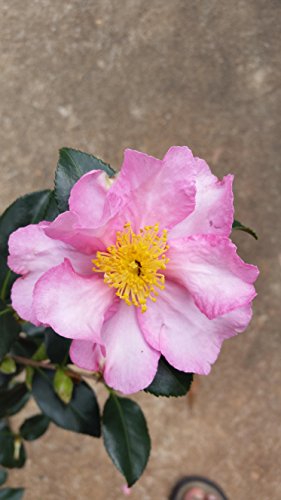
(68, 228)
(32, 253)
(213, 212)
(89, 199)
(87, 355)
(157, 191)
(209, 267)
(22, 297)
(131, 363)
(72, 304)
(187, 338)
(31, 250)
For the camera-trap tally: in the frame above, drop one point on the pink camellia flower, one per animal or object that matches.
(138, 267)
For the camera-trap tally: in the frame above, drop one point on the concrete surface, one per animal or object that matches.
(101, 75)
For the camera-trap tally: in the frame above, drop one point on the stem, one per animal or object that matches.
(31, 362)
(50, 366)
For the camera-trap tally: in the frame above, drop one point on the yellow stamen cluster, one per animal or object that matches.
(132, 265)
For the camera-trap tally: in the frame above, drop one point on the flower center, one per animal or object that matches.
(132, 265)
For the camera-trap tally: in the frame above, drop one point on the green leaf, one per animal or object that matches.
(9, 329)
(3, 476)
(57, 347)
(11, 493)
(71, 166)
(63, 385)
(8, 366)
(18, 406)
(25, 347)
(240, 227)
(5, 380)
(7, 278)
(52, 210)
(169, 382)
(12, 451)
(80, 415)
(34, 427)
(36, 332)
(13, 399)
(126, 437)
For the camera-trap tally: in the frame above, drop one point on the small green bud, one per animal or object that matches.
(63, 385)
(8, 366)
(17, 447)
(29, 372)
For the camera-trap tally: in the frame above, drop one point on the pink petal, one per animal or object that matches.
(137, 169)
(208, 266)
(71, 229)
(126, 490)
(31, 250)
(32, 253)
(87, 355)
(148, 183)
(22, 297)
(213, 212)
(131, 363)
(73, 305)
(138, 195)
(88, 199)
(187, 338)
(68, 228)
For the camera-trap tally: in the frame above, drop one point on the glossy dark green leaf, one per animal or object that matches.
(16, 408)
(9, 329)
(34, 427)
(28, 209)
(240, 227)
(11, 493)
(57, 347)
(33, 331)
(25, 347)
(3, 476)
(52, 210)
(80, 415)
(126, 437)
(13, 399)
(4, 380)
(7, 278)
(12, 451)
(169, 382)
(71, 166)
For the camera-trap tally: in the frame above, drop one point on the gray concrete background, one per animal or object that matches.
(103, 75)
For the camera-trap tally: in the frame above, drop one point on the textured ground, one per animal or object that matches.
(101, 75)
